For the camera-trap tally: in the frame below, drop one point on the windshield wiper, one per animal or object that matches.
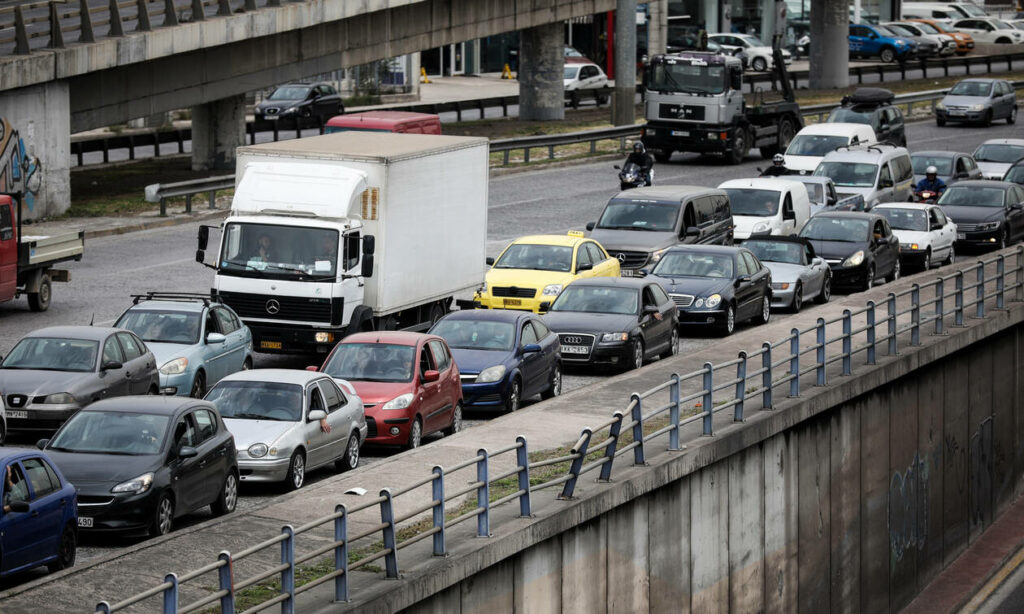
(250, 416)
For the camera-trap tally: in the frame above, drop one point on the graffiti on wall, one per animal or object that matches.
(19, 170)
(908, 508)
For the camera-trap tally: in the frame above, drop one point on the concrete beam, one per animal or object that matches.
(830, 54)
(541, 61)
(217, 129)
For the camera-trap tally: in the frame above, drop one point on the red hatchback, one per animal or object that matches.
(408, 382)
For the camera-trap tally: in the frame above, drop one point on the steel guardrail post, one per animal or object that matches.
(1019, 294)
(171, 594)
(437, 512)
(387, 516)
(341, 553)
(142, 16)
(609, 452)
(523, 460)
(1000, 283)
(577, 463)
(483, 495)
(819, 354)
(708, 400)
(21, 46)
(766, 375)
(102, 607)
(673, 412)
(198, 10)
(979, 308)
(890, 303)
(637, 416)
(940, 299)
(741, 387)
(847, 342)
(85, 19)
(794, 362)
(288, 574)
(226, 582)
(915, 315)
(958, 310)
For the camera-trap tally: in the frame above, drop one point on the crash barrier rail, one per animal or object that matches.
(740, 386)
(159, 193)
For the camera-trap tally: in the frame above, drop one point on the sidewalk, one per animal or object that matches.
(105, 226)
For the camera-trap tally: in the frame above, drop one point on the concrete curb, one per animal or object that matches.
(157, 223)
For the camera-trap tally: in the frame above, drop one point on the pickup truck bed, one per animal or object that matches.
(35, 252)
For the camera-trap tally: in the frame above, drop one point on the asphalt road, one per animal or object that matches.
(554, 200)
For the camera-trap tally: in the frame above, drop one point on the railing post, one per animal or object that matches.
(21, 48)
(637, 416)
(847, 342)
(766, 375)
(171, 594)
(116, 27)
(523, 461)
(979, 308)
(1019, 294)
(1000, 283)
(958, 310)
(673, 412)
(483, 495)
(708, 398)
(198, 11)
(870, 314)
(387, 516)
(170, 14)
(915, 315)
(609, 452)
(86, 35)
(437, 493)
(226, 581)
(819, 354)
(940, 299)
(890, 303)
(143, 16)
(741, 387)
(288, 574)
(341, 553)
(56, 33)
(794, 362)
(579, 449)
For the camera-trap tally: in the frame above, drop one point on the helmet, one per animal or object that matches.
(778, 159)
(638, 147)
(931, 170)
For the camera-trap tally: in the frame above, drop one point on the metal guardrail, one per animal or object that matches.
(746, 383)
(158, 192)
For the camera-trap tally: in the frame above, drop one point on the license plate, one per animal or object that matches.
(270, 117)
(575, 349)
(270, 345)
(627, 272)
(960, 236)
(680, 133)
(85, 522)
(957, 113)
(514, 302)
(17, 414)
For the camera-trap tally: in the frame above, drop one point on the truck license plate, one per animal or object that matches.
(960, 236)
(680, 133)
(513, 302)
(17, 414)
(627, 272)
(85, 522)
(270, 345)
(575, 349)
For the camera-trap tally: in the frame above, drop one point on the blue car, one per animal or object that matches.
(868, 40)
(197, 341)
(504, 356)
(39, 518)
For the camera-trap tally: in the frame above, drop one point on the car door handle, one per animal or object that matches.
(35, 513)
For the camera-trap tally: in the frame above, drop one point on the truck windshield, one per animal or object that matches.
(849, 174)
(815, 144)
(759, 203)
(282, 252)
(371, 362)
(631, 215)
(687, 78)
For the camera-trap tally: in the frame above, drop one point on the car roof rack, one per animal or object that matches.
(868, 96)
(174, 296)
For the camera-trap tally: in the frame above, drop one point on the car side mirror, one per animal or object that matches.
(19, 506)
(584, 266)
(1016, 207)
(203, 237)
(650, 310)
(530, 348)
(111, 365)
(41, 444)
(590, 225)
(215, 338)
(789, 215)
(489, 261)
(431, 376)
(312, 368)
(643, 273)
(617, 167)
(544, 307)
(366, 267)
(692, 231)
(742, 279)
(187, 452)
(818, 260)
(316, 415)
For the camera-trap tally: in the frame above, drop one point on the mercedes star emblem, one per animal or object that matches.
(621, 257)
(273, 307)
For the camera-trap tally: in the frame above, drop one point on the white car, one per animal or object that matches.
(759, 55)
(767, 206)
(811, 144)
(947, 46)
(581, 76)
(989, 30)
(996, 156)
(926, 235)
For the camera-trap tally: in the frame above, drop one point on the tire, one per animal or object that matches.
(66, 552)
(896, 268)
(798, 299)
(663, 157)
(227, 500)
(782, 139)
(163, 516)
(247, 364)
(555, 388)
(951, 258)
(940, 122)
(759, 65)
(887, 55)
(3, 432)
(198, 386)
(926, 264)
(436, 313)
(456, 424)
(636, 355)
(766, 311)
(729, 326)
(415, 434)
(40, 301)
(296, 471)
(1012, 117)
(987, 121)
(673, 347)
(869, 281)
(826, 291)
(740, 147)
(515, 396)
(350, 460)
(1004, 239)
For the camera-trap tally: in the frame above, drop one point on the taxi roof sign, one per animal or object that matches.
(576, 233)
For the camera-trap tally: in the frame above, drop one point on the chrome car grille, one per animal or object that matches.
(93, 500)
(512, 291)
(295, 308)
(682, 300)
(966, 227)
(467, 378)
(576, 340)
(630, 260)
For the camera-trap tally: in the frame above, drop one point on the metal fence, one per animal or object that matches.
(741, 386)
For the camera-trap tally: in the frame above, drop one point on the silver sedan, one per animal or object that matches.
(797, 274)
(288, 422)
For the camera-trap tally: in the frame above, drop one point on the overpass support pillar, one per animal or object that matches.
(830, 59)
(541, 58)
(657, 27)
(35, 147)
(218, 127)
(624, 106)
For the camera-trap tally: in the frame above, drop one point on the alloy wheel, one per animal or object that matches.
(730, 320)
(638, 354)
(352, 453)
(512, 404)
(298, 471)
(165, 515)
(416, 434)
(230, 493)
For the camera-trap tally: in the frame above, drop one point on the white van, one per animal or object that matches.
(767, 206)
(812, 143)
(943, 13)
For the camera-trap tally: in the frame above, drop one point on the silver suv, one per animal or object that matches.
(879, 173)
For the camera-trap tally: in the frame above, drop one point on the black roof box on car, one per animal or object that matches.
(869, 95)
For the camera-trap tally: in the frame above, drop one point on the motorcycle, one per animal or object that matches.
(926, 196)
(630, 176)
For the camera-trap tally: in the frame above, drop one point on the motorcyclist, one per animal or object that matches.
(931, 182)
(778, 167)
(643, 160)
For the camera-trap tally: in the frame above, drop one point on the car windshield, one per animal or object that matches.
(899, 30)
(852, 115)
(536, 257)
(695, 264)
(162, 326)
(849, 174)
(905, 219)
(570, 72)
(285, 252)
(635, 215)
(687, 78)
(598, 299)
(257, 400)
(776, 251)
(53, 354)
(1015, 174)
(926, 28)
(974, 196)
(1002, 25)
(289, 93)
(112, 432)
(999, 152)
(752, 40)
(759, 203)
(476, 334)
(848, 230)
(815, 144)
(944, 166)
(971, 88)
(885, 31)
(371, 362)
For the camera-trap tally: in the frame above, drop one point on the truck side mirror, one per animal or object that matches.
(200, 256)
(203, 237)
(367, 266)
(489, 261)
(369, 245)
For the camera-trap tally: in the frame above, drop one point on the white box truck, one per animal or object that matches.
(349, 232)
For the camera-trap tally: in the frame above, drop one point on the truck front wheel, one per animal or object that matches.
(740, 147)
(40, 299)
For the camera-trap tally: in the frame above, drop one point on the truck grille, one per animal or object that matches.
(630, 260)
(278, 307)
(682, 300)
(686, 112)
(513, 292)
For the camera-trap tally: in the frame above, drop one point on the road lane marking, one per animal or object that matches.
(994, 583)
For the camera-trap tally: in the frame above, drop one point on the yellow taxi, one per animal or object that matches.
(533, 270)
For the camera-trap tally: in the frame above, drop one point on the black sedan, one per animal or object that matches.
(616, 321)
(858, 247)
(715, 286)
(141, 462)
(986, 213)
(53, 372)
(308, 103)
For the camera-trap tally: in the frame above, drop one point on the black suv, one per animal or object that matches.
(873, 106)
(310, 104)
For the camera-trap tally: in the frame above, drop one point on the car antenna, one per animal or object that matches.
(92, 319)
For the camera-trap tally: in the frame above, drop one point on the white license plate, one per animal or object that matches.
(17, 414)
(957, 113)
(575, 349)
(680, 133)
(960, 236)
(270, 117)
(627, 272)
(85, 522)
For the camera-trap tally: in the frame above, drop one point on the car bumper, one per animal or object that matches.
(783, 298)
(704, 317)
(961, 116)
(986, 237)
(616, 353)
(848, 276)
(177, 384)
(123, 512)
(380, 424)
(39, 418)
(912, 257)
(520, 304)
(490, 394)
(262, 469)
(687, 137)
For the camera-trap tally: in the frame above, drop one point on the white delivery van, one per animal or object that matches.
(348, 232)
(767, 206)
(812, 143)
(943, 13)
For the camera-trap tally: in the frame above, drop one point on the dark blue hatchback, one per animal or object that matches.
(503, 356)
(39, 518)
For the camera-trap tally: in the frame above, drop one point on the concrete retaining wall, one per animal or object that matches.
(35, 151)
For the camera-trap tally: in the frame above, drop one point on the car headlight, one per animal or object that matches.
(608, 337)
(656, 256)
(910, 246)
(60, 398)
(760, 227)
(551, 290)
(289, 110)
(490, 374)
(940, 106)
(780, 285)
(977, 107)
(988, 226)
(713, 301)
(136, 486)
(174, 367)
(855, 259)
(399, 402)
(698, 303)
(901, 44)
(258, 450)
